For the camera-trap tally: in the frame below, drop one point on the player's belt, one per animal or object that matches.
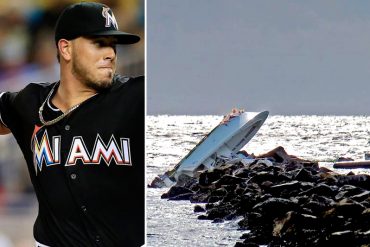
(37, 244)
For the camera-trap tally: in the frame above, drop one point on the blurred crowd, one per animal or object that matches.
(28, 54)
(27, 47)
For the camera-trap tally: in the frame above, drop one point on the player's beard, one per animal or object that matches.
(86, 76)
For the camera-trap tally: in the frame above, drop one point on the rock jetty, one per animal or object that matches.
(282, 200)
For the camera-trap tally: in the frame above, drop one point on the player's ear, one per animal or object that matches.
(64, 48)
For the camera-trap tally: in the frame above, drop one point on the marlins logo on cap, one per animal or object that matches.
(110, 19)
(84, 19)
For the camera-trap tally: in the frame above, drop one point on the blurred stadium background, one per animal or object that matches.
(28, 54)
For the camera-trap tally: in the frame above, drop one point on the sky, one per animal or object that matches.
(287, 57)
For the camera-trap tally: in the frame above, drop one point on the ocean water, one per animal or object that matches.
(169, 138)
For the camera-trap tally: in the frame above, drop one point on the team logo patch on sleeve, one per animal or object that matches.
(46, 151)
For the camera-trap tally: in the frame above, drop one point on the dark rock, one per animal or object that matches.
(157, 183)
(229, 180)
(240, 188)
(218, 212)
(230, 197)
(202, 217)
(324, 170)
(231, 216)
(301, 199)
(181, 197)
(259, 237)
(230, 188)
(329, 178)
(306, 185)
(212, 199)
(207, 178)
(246, 202)
(252, 218)
(323, 199)
(210, 205)
(275, 206)
(176, 191)
(242, 173)
(261, 165)
(361, 197)
(321, 189)
(315, 207)
(341, 195)
(266, 185)
(198, 209)
(199, 198)
(219, 192)
(293, 166)
(218, 220)
(290, 186)
(361, 180)
(185, 180)
(305, 174)
(312, 165)
(366, 214)
(239, 244)
(294, 224)
(351, 188)
(262, 177)
(195, 187)
(349, 208)
(284, 177)
(342, 238)
(348, 191)
(229, 168)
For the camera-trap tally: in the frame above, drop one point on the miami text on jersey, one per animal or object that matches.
(48, 152)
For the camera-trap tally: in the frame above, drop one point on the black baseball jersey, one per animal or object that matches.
(87, 169)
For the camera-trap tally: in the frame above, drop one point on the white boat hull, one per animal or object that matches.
(224, 140)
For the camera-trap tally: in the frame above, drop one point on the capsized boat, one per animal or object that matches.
(224, 141)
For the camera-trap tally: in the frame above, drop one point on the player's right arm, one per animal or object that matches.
(6, 109)
(4, 130)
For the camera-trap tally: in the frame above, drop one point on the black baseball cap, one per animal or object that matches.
(90, 19)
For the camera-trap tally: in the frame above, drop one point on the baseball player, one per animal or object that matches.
(83, 137)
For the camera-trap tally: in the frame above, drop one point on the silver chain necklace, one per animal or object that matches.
(55, 120)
